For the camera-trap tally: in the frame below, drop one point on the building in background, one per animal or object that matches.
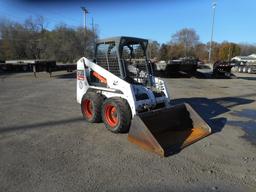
(245, 59)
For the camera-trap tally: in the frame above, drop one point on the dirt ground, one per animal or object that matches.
(45, 145)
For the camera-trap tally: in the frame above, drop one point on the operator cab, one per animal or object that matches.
(125, 57)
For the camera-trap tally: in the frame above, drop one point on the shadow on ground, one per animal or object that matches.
(248, 123)
(40, 125)
(209, 109)
(252, 78)
(68, 75)
(4, 75)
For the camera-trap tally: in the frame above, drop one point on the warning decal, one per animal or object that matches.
(80, 75)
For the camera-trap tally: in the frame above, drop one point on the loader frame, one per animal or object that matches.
(123, 93)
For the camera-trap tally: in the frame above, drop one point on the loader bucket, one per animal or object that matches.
(167, 131)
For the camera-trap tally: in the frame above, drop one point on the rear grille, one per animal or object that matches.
(111, 64)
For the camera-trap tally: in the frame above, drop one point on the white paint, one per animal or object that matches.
(117, 87)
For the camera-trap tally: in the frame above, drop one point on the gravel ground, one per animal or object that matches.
(45, 145)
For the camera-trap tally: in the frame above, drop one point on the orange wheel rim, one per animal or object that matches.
(87, 108)
(111, 115)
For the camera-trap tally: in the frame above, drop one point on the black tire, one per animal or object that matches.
(24, 68)
(120, 119)
(92, 111)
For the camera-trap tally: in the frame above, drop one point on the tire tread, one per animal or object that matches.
(125, 115)
(97, 100)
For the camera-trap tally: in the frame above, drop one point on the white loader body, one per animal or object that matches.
(117, 87)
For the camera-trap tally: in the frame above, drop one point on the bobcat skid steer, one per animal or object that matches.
(118, 88)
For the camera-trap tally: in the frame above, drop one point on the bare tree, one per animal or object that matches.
(153, 49)
(163, 55)
(186, 37)
(228, 50)
(247, 49)
(201, 51)
(32, 40)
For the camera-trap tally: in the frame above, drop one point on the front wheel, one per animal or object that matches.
(91, 107)
(116, 115)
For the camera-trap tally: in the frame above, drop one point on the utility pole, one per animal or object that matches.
(93, 29)
(214, 4)
(149, 53)
(85, 31)
(85, 12)
(229, 52)
(94, 34)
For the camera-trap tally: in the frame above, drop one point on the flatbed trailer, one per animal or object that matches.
(35, 66)
(27, 65)
(186, 65)
(246, 67)
(222, 68)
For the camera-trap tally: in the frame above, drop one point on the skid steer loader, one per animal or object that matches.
(118, 88)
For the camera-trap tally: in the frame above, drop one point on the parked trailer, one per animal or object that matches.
(245, 64)
(14, 67)
(246, 68)
(187, 65)
(28, 65)
(35, 66)
(223, 68)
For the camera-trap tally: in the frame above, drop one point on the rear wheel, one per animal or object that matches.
(91, 107)
(249, 70)
(116, 115)
(244, 69)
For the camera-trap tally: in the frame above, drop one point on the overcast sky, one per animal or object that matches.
(152, 19)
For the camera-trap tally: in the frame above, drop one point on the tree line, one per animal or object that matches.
(32, 40)
(186, 43)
